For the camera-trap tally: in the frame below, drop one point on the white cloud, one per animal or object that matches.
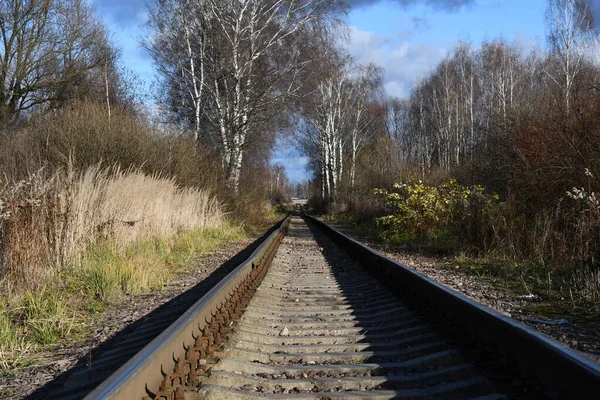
(404, 60)
(446, 5)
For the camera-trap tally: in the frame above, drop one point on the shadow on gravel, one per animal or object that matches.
(102, 361)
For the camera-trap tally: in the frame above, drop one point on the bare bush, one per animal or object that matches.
(81, 135)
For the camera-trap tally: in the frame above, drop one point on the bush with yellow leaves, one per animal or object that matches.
(442, 216)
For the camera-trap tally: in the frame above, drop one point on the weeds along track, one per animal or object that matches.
(302, 318)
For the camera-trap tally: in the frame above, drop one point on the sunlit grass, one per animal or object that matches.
(60, 311)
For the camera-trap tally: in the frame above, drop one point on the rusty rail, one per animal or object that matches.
(177, 357)
(550, 368)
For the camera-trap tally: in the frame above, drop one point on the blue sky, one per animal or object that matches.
(408, 41)
(405, 37)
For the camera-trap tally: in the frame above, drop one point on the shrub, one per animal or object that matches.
(365, 208)
(92, 210)
(80, 136)
(582, 224)
(437, 216)
(58, 311)
(315, 205)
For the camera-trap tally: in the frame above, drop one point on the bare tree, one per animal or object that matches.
(326, 127)
(363, 91)
(571, 33)
(300, 190)
(278, 184)
(253, 36)
(180, 48)
(47, 48)
(502, 72)
(340, 117)
(236, 62)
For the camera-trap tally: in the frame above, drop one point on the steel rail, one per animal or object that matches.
(142, 375)
(554, 370)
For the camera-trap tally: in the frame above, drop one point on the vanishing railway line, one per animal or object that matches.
(303, 319)
(319, 326)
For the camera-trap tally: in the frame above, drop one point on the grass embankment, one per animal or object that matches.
(75, 244)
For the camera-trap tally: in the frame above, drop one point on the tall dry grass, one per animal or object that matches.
(46, 222)
(74, 235)
(72, 241)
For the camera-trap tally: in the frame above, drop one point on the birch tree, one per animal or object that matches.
(362, 93)
(502, 72)
(340, 120)
(253, 76)
(234, 64)
(180, 46)
(326, 126)
(571, 33)
(279, 184)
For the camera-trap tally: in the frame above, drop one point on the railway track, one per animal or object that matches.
(316, 315)
(320, 326)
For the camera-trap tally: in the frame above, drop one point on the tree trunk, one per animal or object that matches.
(107, 91)
(353, 162)
(234, 171)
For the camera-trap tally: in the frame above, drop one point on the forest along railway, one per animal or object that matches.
(315, 324)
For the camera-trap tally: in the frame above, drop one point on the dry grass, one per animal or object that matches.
(130, 205)
(70, 242)
(75, 236)
(587, 283)
(80, 135)
(47, 222)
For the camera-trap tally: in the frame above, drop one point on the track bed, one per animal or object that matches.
(320, 327)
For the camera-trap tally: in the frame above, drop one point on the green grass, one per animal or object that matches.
(8, 331)
(47, 318)
(519, 278)
(8, 374)
(516, 277)
(13, 344)
(441, 243)
(61, 311)
(277, 212)
(107, 272)
(192, 245)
